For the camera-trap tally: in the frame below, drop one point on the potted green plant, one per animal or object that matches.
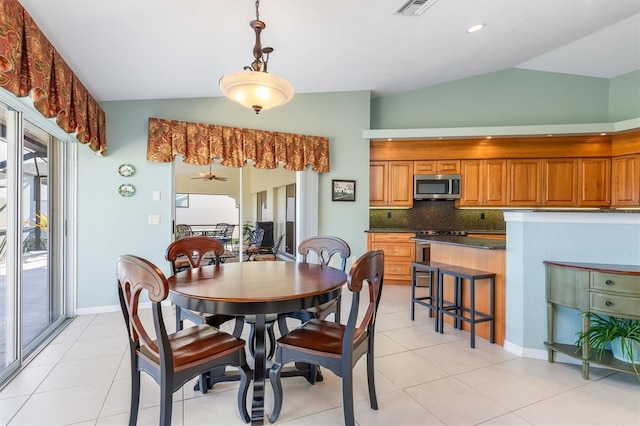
(622, 335)
(247, 229)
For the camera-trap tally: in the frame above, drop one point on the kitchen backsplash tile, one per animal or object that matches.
(437, 215)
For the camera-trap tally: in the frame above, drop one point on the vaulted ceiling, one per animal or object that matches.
(152, 49)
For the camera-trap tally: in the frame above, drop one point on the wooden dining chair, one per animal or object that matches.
(325, 248)
(171, 359)
(335, 346)
(187, 253)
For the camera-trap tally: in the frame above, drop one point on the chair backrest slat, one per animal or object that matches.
(136, 275)
(368, 268)
(325, 247)
(194, 250)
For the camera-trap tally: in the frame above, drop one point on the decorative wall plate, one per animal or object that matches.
(126, 190)
(126, 170)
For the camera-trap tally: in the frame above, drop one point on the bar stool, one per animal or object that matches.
(455, 308)
(431, 300)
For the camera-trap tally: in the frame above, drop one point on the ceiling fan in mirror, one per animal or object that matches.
(210, 176)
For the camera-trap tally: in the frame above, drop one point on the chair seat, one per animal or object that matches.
(196, 344)
(316, 336)
(263, 257)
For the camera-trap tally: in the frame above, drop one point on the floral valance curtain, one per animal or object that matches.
(199, 143)
(29, 65)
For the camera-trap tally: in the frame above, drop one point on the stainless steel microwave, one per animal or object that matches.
(436, 187)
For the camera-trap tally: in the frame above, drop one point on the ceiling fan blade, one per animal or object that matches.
(223, 179)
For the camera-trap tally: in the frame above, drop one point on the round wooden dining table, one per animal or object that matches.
(256, 288)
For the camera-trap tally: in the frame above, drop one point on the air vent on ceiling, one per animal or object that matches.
(414, 7)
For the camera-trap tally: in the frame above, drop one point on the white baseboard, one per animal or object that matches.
(538, 354)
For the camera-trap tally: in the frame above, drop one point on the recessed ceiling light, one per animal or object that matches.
(475, 28)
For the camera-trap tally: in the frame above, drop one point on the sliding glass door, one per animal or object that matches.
(32, 291)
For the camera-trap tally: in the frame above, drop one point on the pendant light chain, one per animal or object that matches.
(257, 10)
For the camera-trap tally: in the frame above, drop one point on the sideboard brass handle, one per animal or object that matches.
(608, 282)
(608, 303)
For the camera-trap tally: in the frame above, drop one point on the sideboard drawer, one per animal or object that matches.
(615, 282)
(615, 305)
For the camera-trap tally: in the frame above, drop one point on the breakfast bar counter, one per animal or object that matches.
(481, 254)
(479, 243)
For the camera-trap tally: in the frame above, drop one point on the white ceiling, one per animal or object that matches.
(151, 49)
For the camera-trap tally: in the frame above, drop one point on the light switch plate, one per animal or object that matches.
(154, 219)
(155, 195)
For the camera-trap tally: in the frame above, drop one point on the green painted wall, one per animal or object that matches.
(624, 97)
(505, 98)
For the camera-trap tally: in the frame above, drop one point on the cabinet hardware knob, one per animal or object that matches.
(608, 282)
(608, 303)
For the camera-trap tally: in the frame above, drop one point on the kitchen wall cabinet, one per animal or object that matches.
(484, 183)
(391, 184)
(594, 182)
(399, 253)
(625, 180)
(548, 182)
(436, 167)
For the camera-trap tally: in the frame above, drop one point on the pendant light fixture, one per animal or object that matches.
(254, 87)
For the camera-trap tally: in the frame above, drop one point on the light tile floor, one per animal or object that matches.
(422, 378)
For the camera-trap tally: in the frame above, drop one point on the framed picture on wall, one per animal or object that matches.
(343, 190)
(182, 200)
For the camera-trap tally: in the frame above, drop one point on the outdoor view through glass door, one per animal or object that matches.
(31, 221)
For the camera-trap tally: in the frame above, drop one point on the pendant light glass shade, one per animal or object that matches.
(257, 90)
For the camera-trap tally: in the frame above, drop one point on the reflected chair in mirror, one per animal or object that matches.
(252, 243)
(171, 359)
(188, 253)
(183, 230)
(268, 253)
(335, 346)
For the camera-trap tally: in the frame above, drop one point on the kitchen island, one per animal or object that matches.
(477, 253)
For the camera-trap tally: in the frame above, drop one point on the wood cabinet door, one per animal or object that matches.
(471, 193)
(484, 183)
(378, 183)
(559, 182)
(400, 184)
(524, 182)
(594, 182)
(399, 253)
(625, 180)
(448, 167)
(424, 167)
(495, 182)
(437, 167)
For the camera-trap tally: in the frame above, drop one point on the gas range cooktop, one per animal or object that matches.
(439, 232)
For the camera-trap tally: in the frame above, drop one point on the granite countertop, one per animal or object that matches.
(413, 231)
(390, 230)
(481, 243)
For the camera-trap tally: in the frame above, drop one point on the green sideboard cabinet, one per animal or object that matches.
(612, 290)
